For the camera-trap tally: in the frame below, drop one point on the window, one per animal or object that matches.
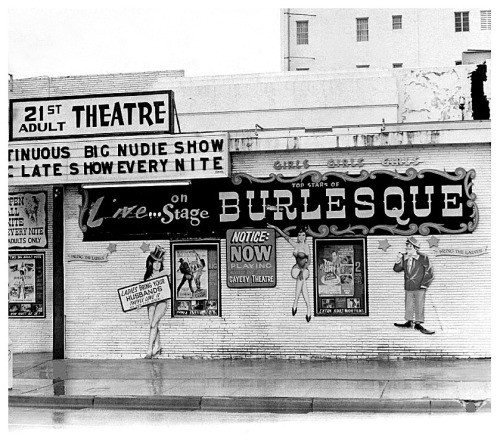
(485, 20)
(362, 29)
(302, 68)
(458, 62)
(397, 65)
(397, 22)
(362, 66)
(302, 32)
(461, 22)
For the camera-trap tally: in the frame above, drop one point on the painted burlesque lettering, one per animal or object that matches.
(379, 202)
(333, 203)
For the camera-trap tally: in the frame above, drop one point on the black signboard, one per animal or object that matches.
(331, 204)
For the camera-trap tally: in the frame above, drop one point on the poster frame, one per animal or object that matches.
(187, 245)
(266, 285)
(317, 242)
(46, 232)
(44, 285)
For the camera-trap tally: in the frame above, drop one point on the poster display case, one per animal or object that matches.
(26, 285)
(195, 279)
(340, 282)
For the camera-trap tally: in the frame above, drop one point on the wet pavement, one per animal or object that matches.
(253, 385)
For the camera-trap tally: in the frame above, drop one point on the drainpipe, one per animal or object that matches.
(288, 40)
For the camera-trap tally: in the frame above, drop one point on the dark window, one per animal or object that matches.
(302, 32)
(458, 62)
(362, 66)
(362, 29)
(397, 22)
(486, 20)
(397, 65)
(461, 22)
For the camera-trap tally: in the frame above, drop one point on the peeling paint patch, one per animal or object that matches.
(434, 96)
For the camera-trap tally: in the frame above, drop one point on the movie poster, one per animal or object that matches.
(340, 281)
(27, 220)
(196, 279)
(26, 289)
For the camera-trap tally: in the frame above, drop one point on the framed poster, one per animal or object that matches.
(26, 285)
(28, 220)
(195, 279)
(340, 282)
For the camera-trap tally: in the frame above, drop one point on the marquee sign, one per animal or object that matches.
(91, 115)
(380, 202)
(148, 158)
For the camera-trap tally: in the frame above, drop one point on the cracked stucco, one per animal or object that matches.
(431, 95)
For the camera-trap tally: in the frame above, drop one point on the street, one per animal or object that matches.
(24, 420)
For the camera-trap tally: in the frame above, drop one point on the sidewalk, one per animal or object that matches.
(253, 385)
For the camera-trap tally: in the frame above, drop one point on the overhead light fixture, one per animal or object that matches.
(138, 184)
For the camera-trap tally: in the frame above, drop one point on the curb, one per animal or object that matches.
(148, 403)
(251, 404)
(370, 405)
(257, 404)
(56, 401)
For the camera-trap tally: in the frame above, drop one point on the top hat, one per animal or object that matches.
(158, 253)
(413, 241)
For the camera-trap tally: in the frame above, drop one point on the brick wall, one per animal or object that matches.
(258, 322)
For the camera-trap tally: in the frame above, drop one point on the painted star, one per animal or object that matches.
(384, 244)
(112, 247)
(144, 247)
(433, 242)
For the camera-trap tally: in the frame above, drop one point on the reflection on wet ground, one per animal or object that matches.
(30, 418)
(38, 376)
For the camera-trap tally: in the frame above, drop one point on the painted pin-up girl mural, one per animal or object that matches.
(300, 271)
(154, 269)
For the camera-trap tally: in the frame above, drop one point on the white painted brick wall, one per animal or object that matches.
(258, 322)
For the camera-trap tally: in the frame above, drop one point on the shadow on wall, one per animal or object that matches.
(480, 104)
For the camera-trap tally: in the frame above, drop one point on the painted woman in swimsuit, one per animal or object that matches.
(154, 269)
(300, 271)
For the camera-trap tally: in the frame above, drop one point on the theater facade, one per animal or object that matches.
(218, 179)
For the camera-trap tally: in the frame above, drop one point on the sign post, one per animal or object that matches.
(11, 365)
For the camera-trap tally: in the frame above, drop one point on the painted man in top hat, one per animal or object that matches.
(418, 276)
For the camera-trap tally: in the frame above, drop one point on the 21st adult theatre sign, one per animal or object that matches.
(331, 204)
(91, 115)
